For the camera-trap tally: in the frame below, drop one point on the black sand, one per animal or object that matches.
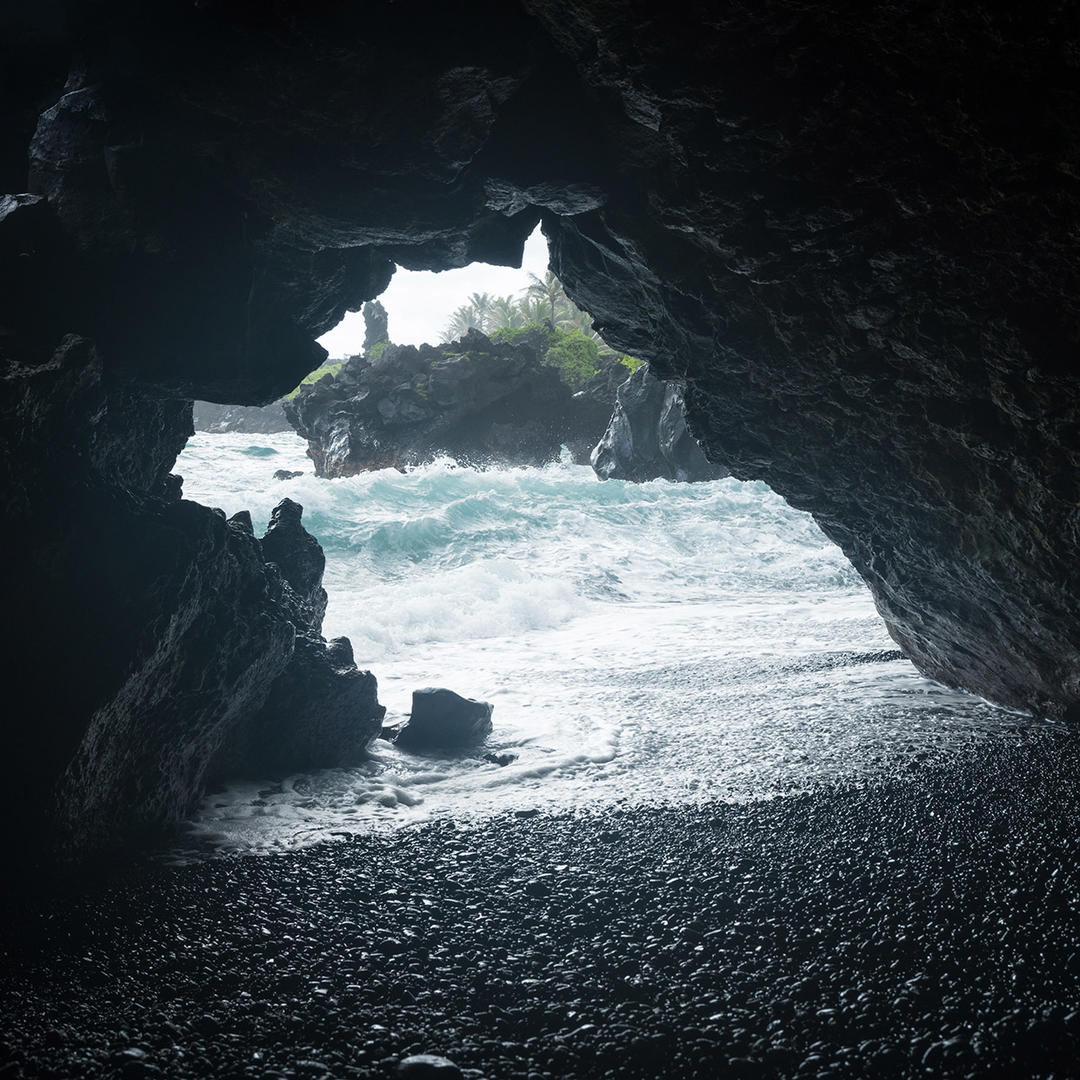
(925, 927)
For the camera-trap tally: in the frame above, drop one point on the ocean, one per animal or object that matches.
(641, 644)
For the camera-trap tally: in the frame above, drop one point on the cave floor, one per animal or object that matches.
(924, 926)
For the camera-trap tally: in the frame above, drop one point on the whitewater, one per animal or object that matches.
(641, 644)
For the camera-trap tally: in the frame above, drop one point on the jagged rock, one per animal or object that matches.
(299, 557)
(376, 326)
(443, 720)
(476, 400)
(248, 419)
(319, 712)
(287, 474)
(647, 437)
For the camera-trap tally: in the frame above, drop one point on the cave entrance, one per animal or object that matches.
(639, 641)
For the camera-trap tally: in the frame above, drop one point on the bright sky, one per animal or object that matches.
(419, 303)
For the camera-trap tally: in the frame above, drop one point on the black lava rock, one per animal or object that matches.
(852, 238)
(299, 557)
(428, 1067)
(441, 719)
(647, 438)
(475, 400)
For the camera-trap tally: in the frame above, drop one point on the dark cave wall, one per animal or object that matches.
(853, 236)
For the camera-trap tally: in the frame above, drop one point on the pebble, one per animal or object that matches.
(428, 1067)
(923, 926)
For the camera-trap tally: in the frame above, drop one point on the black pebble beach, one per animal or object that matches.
(927, 926)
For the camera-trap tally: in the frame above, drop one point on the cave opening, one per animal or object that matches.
(644, 635)
(850, 238)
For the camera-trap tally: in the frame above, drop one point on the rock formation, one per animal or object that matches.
(443, 720)
(476, 400)
(647, 438)
(851, 234)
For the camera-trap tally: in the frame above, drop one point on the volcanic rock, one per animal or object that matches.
(441, 719)
(428, 1067)
(299, 557)
(647, 438)
(476, 400)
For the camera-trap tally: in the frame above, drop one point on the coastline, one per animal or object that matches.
(927, 925)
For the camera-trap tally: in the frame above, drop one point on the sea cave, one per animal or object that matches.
(841, 244)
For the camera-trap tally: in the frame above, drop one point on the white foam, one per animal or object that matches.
(640, 642)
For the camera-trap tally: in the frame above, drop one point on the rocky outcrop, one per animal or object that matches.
(247, 419)
(476, 400)
(851, 234)
(647, 438)
(443, 720)
(153, 633)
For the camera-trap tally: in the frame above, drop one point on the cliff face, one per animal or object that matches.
(647, 437)
(853, 236)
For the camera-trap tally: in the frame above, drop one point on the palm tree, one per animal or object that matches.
(464, 319)
(533, 309)
(549, 290)
(481, 303)
(505, 314)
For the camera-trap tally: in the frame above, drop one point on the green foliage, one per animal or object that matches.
(516, 334)
(316, 375)
(575, 354)
(378, 349)
(577, 350)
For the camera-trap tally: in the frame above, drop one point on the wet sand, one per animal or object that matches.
(924, 926)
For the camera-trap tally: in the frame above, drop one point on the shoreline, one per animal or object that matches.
(927, 925)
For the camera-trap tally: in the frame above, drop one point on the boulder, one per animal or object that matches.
(647, 438)
(441, 720)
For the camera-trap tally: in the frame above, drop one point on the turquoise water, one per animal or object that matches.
(641, 643)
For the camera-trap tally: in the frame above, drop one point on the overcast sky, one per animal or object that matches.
(419, 303)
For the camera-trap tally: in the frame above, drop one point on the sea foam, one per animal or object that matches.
(642, 642)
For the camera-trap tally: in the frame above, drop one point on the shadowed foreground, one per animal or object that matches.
(928, 926)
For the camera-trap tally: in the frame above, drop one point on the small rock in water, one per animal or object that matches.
(287, 474)
(428, 1067)
(500, 759)
(442, 719)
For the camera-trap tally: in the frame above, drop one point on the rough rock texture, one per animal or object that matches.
(256, 419)
(376, 325)
(475, 400)
(320, 710)
(150, 629)
(647, 438)
(441, 719)
(851, 233)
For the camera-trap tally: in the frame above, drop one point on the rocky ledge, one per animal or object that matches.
(477, 400)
